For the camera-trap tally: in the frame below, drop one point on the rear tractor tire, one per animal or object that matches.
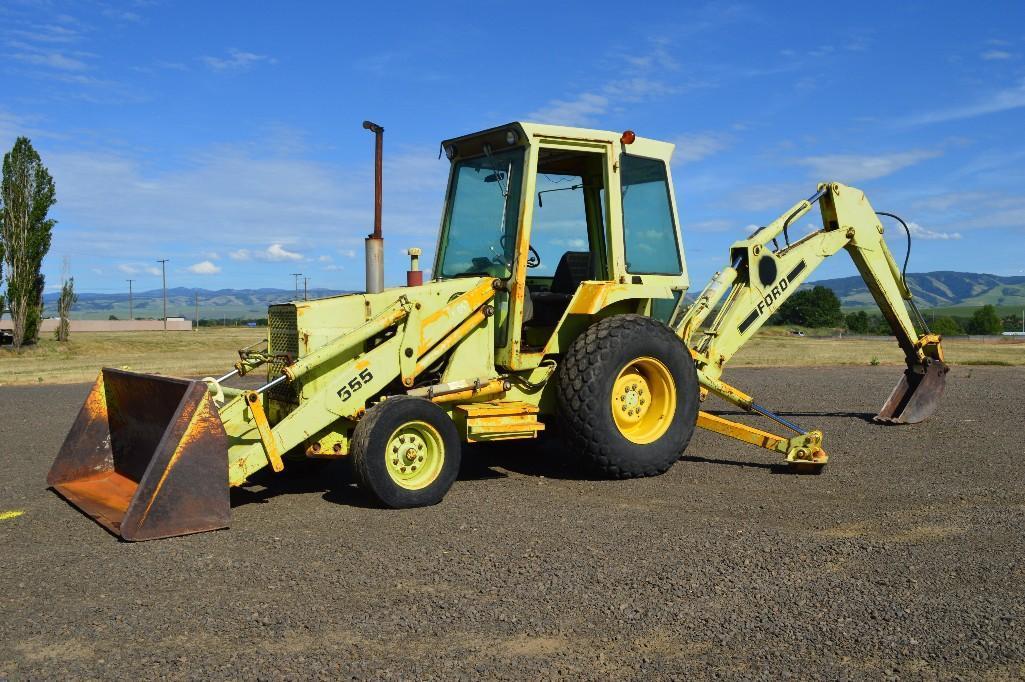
(406, 452)
(628, 396)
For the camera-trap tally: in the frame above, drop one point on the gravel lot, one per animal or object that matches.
(904, 559)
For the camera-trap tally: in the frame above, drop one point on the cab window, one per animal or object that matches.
(483, 212)
(649, 231)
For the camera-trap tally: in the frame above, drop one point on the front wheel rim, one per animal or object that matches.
(414, 455)
(643, 400)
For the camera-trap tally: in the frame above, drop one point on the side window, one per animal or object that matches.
(560, 223)
(648, 229)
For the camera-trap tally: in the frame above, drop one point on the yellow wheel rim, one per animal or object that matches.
(415, 455)
(643, 400)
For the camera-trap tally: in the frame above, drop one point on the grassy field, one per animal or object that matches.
(195, 353)
(212, 351)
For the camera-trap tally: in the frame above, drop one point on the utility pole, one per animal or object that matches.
(196, 317)
(131, 315)
(297, 275)
(306, 294)
(163, 278)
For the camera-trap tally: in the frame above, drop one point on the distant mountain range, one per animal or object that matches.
(932, 289)
(940, 289)
(181, 302)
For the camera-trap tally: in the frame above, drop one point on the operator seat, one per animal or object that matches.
(548, 306)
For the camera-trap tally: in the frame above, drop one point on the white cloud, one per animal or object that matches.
(236, 60)
(135, 269)
(238, 201)
(995, 55)
(203, 268)
(581, 110)
(324, 259)
(121, 15)
(48, 33)
(51, 59)
(651, 73)
(1001, 100)
(920, 232)
(857, 167)
(638, 89)
(710, 225)
(276, 252)
(693, 147)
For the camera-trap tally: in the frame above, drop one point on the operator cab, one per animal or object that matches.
(531, 206)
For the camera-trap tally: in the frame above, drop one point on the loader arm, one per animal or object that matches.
(419, 341)
(762, 277)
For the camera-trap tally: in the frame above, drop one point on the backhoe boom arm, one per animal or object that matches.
(762, 276)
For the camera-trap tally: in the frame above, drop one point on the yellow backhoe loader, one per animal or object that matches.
(556, 295)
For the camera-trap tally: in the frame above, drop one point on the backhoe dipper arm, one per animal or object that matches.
(761, 277)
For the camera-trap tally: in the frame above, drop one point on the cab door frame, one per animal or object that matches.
(510, 354)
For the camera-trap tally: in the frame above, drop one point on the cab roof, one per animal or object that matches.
(531, 133)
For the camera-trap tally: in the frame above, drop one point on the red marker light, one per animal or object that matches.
(628, 137)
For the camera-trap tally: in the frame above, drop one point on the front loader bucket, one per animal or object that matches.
(916, 395)
(146, 458)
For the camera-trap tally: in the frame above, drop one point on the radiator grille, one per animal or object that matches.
(284, 335)
(283, 338)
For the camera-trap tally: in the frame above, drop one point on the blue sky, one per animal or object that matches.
(226, 136)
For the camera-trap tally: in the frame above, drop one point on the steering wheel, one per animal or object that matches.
(533, 257)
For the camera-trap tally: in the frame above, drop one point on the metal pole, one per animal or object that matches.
(131, 316)
(270, 384)
(297, 275)
(196, 328)
(163, 277)
(226, 376)
(306, 290)
(375, 242)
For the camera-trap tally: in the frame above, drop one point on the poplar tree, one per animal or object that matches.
(26, 194)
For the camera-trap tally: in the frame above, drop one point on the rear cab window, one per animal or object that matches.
(649, 229)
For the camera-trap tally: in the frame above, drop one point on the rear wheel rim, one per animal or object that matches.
(414, 455)
(643, 400)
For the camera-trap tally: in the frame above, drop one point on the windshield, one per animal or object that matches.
(483, 212)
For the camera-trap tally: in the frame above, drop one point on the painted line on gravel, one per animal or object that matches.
(10, 515)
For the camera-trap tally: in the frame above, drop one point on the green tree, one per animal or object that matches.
(857, 322)
(985, 321)
(946, 326)
(815, 307)
(67, 299)
(26, 194)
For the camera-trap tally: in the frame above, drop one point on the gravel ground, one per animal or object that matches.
(903, 560)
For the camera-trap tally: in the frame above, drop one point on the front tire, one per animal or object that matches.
(628, 396)
(406, 452)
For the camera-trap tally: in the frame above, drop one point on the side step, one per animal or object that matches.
(498, 420)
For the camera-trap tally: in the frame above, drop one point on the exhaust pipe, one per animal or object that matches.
(375, 242)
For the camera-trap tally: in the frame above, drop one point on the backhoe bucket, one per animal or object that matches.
(916, 395)
(146, 458)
